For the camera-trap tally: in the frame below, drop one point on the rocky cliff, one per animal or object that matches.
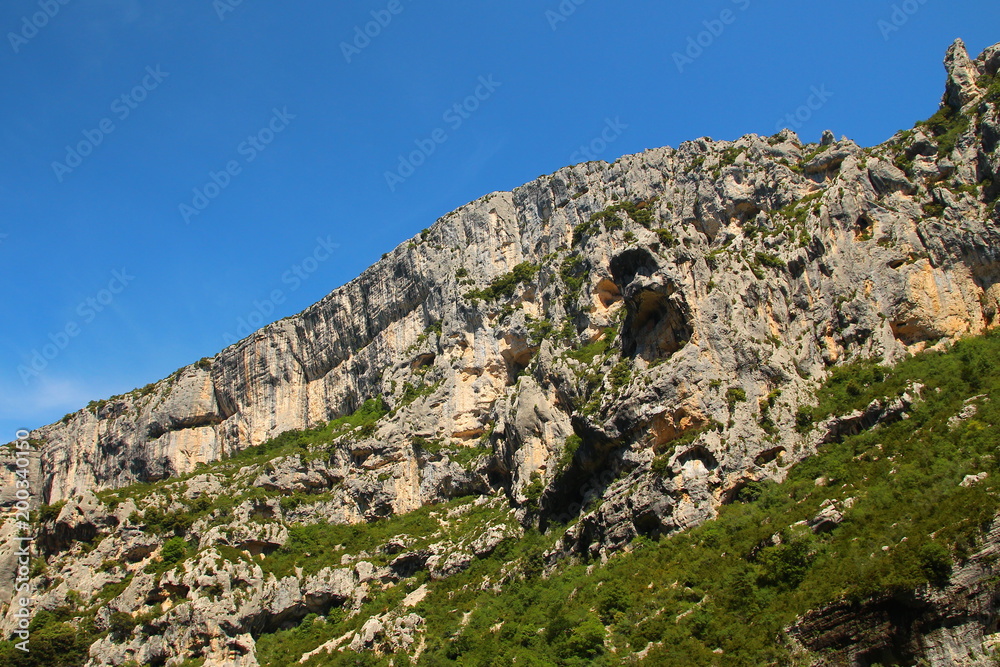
(643, 333)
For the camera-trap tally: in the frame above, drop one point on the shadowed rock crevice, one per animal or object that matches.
(656, 325)
(608, 293)
(768, 456)
(863, 228)
(698, 459)
(517, 353)
(424, 360)
(584, 477)
(913, 331)
(885, 631)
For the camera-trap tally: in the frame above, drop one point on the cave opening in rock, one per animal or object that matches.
(768, 456)
(910, 332)
(747, 212)
(698, 459)
(608, 293)
(631, 263)
(423, 361)
(517, 355)
(655, 326)
(656, 323)
(863, 228)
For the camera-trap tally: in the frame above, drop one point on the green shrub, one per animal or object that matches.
(570, 448)
(413, 392)
(621, 374)
(769, 260)
(947, 126)
(804, 419)
(533, 490)
(667, 238)
(661, 464)
(157, 521)
(735, 395)
(639, 211)
(47, 513)
(586, 641)
(933, 209)
(992, 85)
(785, 566)
(730, 154)
(505, 286)
(608, 219)
(539, 330)
(174, 550)
(426, 445)
(573, 272)
(53, 643)
(594, 349)
(121, 625)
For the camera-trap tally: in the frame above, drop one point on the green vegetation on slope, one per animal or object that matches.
(640, 211)
(504, 286)
(720, 594)
(733, 584)
(308, 443)
(947, 126)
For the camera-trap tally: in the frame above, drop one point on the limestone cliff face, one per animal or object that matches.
(750, 265)
(639, 333)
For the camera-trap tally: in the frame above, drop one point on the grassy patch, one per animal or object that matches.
(947, 126)
(598, 348)
(412, 392)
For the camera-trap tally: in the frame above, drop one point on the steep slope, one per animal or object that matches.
(881, 549)
(644, 334)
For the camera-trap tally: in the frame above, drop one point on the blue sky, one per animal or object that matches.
(118, 112)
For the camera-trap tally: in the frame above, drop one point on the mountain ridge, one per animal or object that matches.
(385, 304)
(621, 348)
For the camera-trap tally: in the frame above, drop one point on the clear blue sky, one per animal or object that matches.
(65, 229)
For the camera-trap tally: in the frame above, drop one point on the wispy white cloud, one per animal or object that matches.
(43, 399)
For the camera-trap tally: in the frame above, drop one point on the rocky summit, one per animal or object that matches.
(648, 412)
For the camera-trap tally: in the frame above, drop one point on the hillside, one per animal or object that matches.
(661, 411)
